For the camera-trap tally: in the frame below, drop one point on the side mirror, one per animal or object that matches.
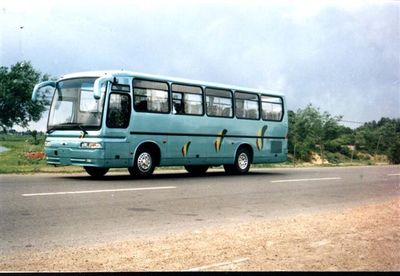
(98, 83)
(39, 86)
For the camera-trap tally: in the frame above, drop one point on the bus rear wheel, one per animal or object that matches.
(96, 172)
(196, 169)
(144, 163)
(242, 163)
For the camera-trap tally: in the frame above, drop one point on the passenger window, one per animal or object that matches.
(247, 106)
(272, 108)
(177, 103)
(187, 99)
(219, 102)
(119, 111)
(150, 96)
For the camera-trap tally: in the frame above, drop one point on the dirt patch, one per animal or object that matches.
(35, 155)
(317, 160)
(362, 238)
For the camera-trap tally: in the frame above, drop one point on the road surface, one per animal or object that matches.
(43, 211)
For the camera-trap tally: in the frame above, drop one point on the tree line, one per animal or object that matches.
(310, 130)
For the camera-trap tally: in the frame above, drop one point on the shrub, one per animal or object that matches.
(332, 146)
(394, 152)
(345, 151)
(334, 158)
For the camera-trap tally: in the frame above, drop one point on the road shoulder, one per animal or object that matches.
(359, 238)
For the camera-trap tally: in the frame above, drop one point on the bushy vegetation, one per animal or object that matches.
(312, 131)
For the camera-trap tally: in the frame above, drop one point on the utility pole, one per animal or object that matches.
(352, 153)
(294, 156)
(377, 145)
(20, 35)
(322, 153)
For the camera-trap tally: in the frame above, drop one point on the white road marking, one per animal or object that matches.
(200, 268)
(393, 174)
(306, 179)
(102, 191)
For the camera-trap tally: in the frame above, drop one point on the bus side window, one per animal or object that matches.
(187, 99)
(272, 108)
(140, 105)
(247, 105)
(177, 102)
(227, 112)
(219, 102)
(150, 96)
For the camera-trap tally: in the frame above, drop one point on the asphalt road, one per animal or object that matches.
(43, 211)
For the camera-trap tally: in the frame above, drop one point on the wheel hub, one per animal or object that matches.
(144, 162)
(243, 161)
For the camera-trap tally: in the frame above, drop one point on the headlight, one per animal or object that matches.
(91, 145)
(47, 144)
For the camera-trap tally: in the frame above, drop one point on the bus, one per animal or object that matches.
(121, 119)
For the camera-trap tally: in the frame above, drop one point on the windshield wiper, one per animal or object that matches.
(50, 130)
(82, 128)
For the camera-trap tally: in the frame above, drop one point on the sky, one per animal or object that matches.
(341, 56)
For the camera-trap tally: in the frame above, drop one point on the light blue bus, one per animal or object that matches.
(120, 119)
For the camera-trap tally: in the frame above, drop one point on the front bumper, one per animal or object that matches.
(75, 156)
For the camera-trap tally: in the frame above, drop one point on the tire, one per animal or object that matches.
(144, 163)
(95, 171)
(242, 163)
(196, 169)
(229, 169)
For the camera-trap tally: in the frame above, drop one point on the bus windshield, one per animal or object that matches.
(74, 107)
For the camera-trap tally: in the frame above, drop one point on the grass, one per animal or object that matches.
(15, 161)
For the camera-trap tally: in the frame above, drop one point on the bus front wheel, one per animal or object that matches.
(196, 170)
(242, 163)
(144, 163)
(96, 172)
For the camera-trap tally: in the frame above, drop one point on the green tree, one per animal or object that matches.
(309, 130)
(394, 151)
(313, 131)
(378, 137)
(34, 135)
(16, 85)
(301, 132)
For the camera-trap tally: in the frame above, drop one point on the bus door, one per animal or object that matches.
(119, 107)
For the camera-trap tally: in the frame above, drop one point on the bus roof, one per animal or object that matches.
(98, 74)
